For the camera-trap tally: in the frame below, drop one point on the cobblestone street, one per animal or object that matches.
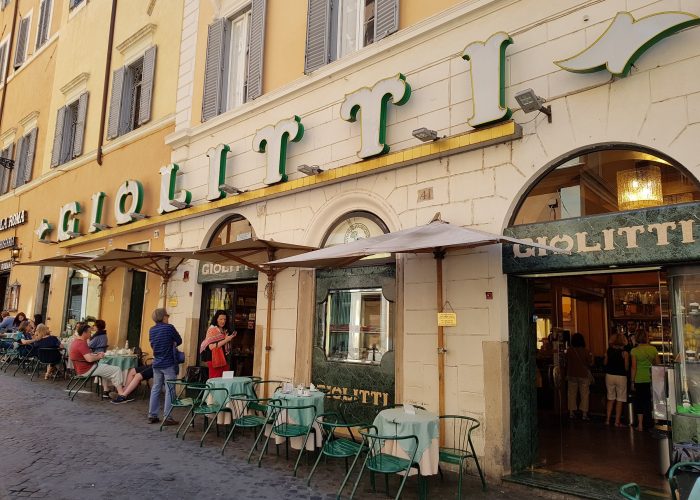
(55, 448)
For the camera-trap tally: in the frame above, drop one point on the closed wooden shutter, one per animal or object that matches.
(22, 38)
(3, 60)
(318, 21)
(386, 20)
(115, 105)
(20, 160)
(58, 136)
(149, 70)
(29, 162)
(256, 43)
(80, 124)
(214, 69)
(6, 172)
(43, 26)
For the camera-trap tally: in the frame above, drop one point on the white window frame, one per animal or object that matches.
(359, 28)
(236, 74)
(25, 56)
(48, 27)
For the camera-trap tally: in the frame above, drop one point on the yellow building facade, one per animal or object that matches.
(85, 108)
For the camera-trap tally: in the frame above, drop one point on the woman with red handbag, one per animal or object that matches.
(216, 344)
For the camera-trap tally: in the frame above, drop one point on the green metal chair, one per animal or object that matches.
(181, 399)
(266, 388)
(251, 413)
(684, 480)
(46, 357)
(336, 444)
(206, 406)
(630, 491)
(378, 461)
(281, 427)
(458, 447)
(77, 382)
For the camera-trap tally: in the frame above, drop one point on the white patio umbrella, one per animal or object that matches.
(437, 238)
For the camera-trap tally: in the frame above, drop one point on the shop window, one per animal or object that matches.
(83, 298)
(234, 60)
(605, 181)
(132, 93)
(24, 163)
(12, 296)
(337, 28)
(22, 39)
(357, 326)
(70, 131)
(44, 26)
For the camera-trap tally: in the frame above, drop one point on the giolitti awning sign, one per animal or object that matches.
(625, 39)
(652, 236)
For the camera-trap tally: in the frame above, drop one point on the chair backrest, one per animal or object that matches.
(277, 406)
(458, 430)
(260, 386)
(398, 405)
(50, 355)
(376, 443)
(683, 478)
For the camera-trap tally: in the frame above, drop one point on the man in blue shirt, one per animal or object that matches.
(163, 337)
(7, 321)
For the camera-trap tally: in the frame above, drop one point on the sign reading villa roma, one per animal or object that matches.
(13, 220)
(616, 50)
(654, 235)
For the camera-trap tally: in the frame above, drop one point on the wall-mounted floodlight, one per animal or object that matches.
(530, 102)
(138, 216)
(179, 204)
(101, 227)
(73, 234)
(310, 169)
(230, 189)
(425, 134)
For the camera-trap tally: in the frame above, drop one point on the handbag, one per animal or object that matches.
(218, 359)
(178, 355)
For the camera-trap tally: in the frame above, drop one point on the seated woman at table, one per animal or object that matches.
(19, 319)
(43, 339)
(98, 339)
(134, 377)
(218, 336)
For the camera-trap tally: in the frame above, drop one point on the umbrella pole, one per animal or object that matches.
(102, 289)
(270, 295)
(439, 257)
(165, 291)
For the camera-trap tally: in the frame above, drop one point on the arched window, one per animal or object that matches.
(612, 179)
(353, 226)
(234, 228)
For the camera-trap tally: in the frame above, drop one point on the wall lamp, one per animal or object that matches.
(530, 102)
(73, 234)
(425, 134)
(230, 189)
(309, 169)
(14, 254)
(101, 227)
(179, 204)
(138, 216)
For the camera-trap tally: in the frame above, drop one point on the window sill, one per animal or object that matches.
(75, 10)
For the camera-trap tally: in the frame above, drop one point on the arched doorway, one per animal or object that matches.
(233, 289)
(353, 342)
(627, 215)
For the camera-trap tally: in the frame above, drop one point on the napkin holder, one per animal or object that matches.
(228, 374)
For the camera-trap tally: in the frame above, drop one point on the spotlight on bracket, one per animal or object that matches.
(48, 242)
(73, 234)
(138, 216)
(530, 102)
(230, 189)
(179, 204)
(310, 169)
(425, 134)
(101, 227)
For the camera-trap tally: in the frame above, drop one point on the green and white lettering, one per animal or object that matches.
(167, 191)
(44, 230)
(372, 104)
(67, 222)
(273, 140)
(122, 212)
(625, 40)
(217, 171)
(488, 75)
(96, 212)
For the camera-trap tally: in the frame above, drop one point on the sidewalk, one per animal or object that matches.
(52, 447)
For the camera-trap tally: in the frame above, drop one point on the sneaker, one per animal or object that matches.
(153, 420)
(105, 395)
(121, 399)
(170, 421)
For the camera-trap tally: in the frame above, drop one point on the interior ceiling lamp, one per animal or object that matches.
(639, 187)
(230, 189)
(310, 169)
(425, 134)
(530, 102)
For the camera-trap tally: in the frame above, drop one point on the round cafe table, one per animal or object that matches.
(234, 385)
(124, 362)
(302, 417)
(424, 425)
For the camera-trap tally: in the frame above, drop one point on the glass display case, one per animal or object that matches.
(684, 285)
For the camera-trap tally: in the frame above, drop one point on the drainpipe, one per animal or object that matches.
(8, 61)
(108, 70)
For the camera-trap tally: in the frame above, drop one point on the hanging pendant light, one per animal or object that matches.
(639, 187)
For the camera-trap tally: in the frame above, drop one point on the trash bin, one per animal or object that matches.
(662, 435)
